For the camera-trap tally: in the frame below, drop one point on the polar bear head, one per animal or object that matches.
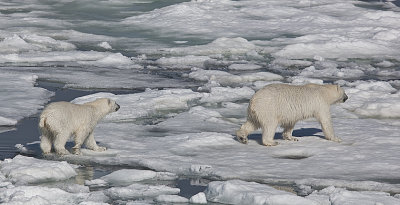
(336, 94)
(105, 105)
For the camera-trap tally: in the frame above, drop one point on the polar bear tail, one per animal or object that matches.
(42, 122)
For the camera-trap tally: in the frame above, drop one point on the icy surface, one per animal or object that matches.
(28, 170)
(136, 191)
(332, 195)
(241, 192)
(373, 99)
(183, 72)
(199, 198)
(125, 177)
(19, 98)
(171, 199)
(45, 195)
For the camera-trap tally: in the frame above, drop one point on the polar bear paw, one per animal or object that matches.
(242, 137)
(270, 143)
(290, 138)
(100, 149)
(62, 152)
(243, 140)
(76, 151)
(336, 139)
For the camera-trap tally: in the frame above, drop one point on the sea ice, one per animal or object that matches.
(226, 94)
(352, 185)
(227, 79)
(19, 98)
(28, 170)
(148, 103)
(136, 191)
(220, 46)
(199, 198)
(372, 99)
(32, 42)
(171, 199)
(43, 195)
(336, 196)
(185, 62)
(241, 192)
(244, 67)
(126, 177)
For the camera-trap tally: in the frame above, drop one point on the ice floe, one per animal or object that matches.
(332, 195)
(217, 53)
(228, 79)
(20, 98)
(376, 99)
(28, 170)
(241, 192)
(129, 176)
(137, 191)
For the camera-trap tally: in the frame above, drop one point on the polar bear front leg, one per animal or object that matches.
(268, 133)
(324, 119)
(90, 143)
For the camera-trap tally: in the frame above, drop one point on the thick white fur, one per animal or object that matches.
(284, 105)
(60, 120)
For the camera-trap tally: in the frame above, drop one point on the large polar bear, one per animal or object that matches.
(284, 105)
(60, 120)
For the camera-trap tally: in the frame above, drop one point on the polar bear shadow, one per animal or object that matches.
(302, 132)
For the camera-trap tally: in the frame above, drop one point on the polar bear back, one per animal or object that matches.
(289, 103)
(67, 116)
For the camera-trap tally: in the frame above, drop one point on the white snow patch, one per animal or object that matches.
(244, 67)
(226, 94)
(28, 170)
(171, 199)
(185, 62)
(376, 99)
(105, 45)
(336, 196)
(241, 192)
(19, 98)
(227, 79)
(125, 177)
(147, 103)
(199, 198)
(136, 191)
(43, 195)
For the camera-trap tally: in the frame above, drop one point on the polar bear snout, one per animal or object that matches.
(117, 107)
(345, 97)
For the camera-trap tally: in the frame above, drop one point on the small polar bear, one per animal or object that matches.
(60, 120)
(284, 105)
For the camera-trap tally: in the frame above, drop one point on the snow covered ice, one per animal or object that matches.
(183, 73)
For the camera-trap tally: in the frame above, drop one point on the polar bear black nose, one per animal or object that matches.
(116, 109)
(345, 98)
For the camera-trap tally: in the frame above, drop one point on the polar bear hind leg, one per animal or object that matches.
(45, 144)
(59, 143)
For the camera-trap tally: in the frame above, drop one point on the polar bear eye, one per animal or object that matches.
(109, 101)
